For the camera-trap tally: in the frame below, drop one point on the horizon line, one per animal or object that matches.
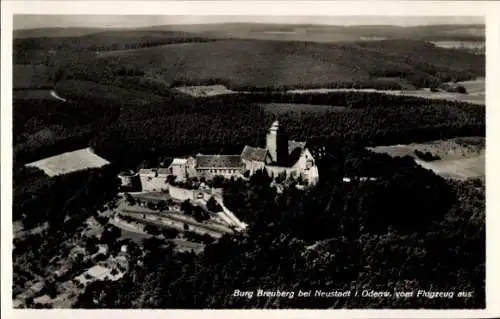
(243, 23)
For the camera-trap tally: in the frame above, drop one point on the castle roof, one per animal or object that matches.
(219, 161)
(294, 145)
(179, 161)
(258, 154)
(295, 149)
(251, 153)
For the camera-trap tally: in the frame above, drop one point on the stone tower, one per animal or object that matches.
(277, 144)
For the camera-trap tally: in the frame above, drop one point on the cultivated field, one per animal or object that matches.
(205, 90)
(69, 162)
(459, 157)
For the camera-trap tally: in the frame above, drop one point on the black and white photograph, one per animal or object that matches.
(247, 162)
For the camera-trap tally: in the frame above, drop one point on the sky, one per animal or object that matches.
(124, 21)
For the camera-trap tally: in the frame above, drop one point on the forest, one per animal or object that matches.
(226, 124)
(126, 133)
(405, 230)
(408, 230)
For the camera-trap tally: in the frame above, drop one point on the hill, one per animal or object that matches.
(258, 63)
(54, 32)
(31, 50)
(330, 33)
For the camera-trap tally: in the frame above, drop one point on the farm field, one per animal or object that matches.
(459, 158)
(69, 162)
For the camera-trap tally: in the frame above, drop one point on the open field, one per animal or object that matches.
(475, 98)
(69, 162)
(204, 90)
(477, 47)
(477, 86)
(470, 167)
(459, 158)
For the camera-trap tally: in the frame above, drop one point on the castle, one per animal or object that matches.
(280, 156)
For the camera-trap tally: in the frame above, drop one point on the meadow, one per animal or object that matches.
(460, 158)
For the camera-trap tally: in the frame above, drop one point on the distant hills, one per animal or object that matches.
(315, 33)
(245, 55)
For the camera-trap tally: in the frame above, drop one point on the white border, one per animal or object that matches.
(489, 9)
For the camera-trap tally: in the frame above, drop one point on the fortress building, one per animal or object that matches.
(279, 156)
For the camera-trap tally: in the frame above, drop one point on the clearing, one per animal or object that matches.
(69, 162)
(474, 98)
(205, 90)
(460, 158)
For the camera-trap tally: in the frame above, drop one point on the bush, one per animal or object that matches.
(460, 89)
(427, 156)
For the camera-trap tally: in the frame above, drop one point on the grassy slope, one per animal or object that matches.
(251, 62)
(265, 63)
(54, 32)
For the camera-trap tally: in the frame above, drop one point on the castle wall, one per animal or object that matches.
(253, 166)
(276, 170)
(153, 184)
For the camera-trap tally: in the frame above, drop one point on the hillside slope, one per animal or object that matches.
(330, 33)
(258, 63)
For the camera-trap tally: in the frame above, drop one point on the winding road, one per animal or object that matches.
(54, 94)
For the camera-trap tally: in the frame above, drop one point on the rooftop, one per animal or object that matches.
(219, 161)
(179, 161)
(251, 153)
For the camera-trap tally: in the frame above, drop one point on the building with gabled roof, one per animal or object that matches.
(279, 156)
(224, 165)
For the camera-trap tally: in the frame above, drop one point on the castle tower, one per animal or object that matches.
(277, 144)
